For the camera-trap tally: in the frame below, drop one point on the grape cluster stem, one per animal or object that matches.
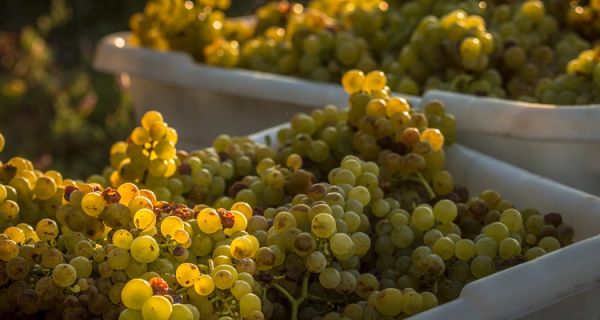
(296, 302)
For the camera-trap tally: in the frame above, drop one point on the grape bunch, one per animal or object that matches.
(180, 25)
(443, 48)
(148, 158)
(28, 195)
(487, 48)
(579, 85)
(584, 17)
(349, 214)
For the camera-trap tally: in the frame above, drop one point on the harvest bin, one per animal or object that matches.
(560, 285)
(562, 143)
(203, 101)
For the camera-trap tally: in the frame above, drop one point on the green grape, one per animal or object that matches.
(509, 248)
(46, 229)
(343, 176)
(361, 194)
(144, 249)
(429, 300)
(3, 191)
(465, 249)
(445, 211)
(135, 269)
(209, 221)
(284, 221)
(186, 274)
(156, 308)
(82, 266)
(135, 293)
(202, 245)
(486, 246)
(118, 258)
(431, 236)
(8, 250)
(352, 221)
(433, 265)
(534, 253)
(93, 203)
(497, 231)
(169, 225)
(127, 191)
(380, 208)
(137, 203)
(412, 302)
(316, 262)
(240, 288)
(64, 275)
(341, 245)
(244, 247)
(122, 239)
(15, 234)
(549, 244)
(482, 266)
(204, 285)
(323, 225)
(181, 311)
(46, 288)
(362, 243)
(470, 48)
(248, 304)
(224, 279)
(9, 210)
(402, 237)
(535, 224)
(144, 219)
(140, 136)
(444, 247)
(44, 188)
(347, 283)
(130, 314)
(202, 177)
(366, 283)
(442, 182)
(329, 278)
(512, 219)
(389, 302)
(165, 149)
(419, 253)
(422, 218)
(17, 268)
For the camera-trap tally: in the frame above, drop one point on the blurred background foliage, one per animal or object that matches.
(54, 109)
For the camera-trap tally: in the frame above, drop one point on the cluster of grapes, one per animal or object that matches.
(27, 195)
(456, 42)
(584, 16)
(148, 158)
(487, 48)
(351, 216)
(579, 85)
(180, 25)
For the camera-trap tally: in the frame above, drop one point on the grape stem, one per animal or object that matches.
(315, 298)
(295, 302)
(225, 303)
(419, 178)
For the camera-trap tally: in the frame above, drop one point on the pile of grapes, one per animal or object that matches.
(350, 214)
(528, 50)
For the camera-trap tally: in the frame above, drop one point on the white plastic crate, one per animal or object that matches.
(560, 285)
(203, 101)
(562, 143)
